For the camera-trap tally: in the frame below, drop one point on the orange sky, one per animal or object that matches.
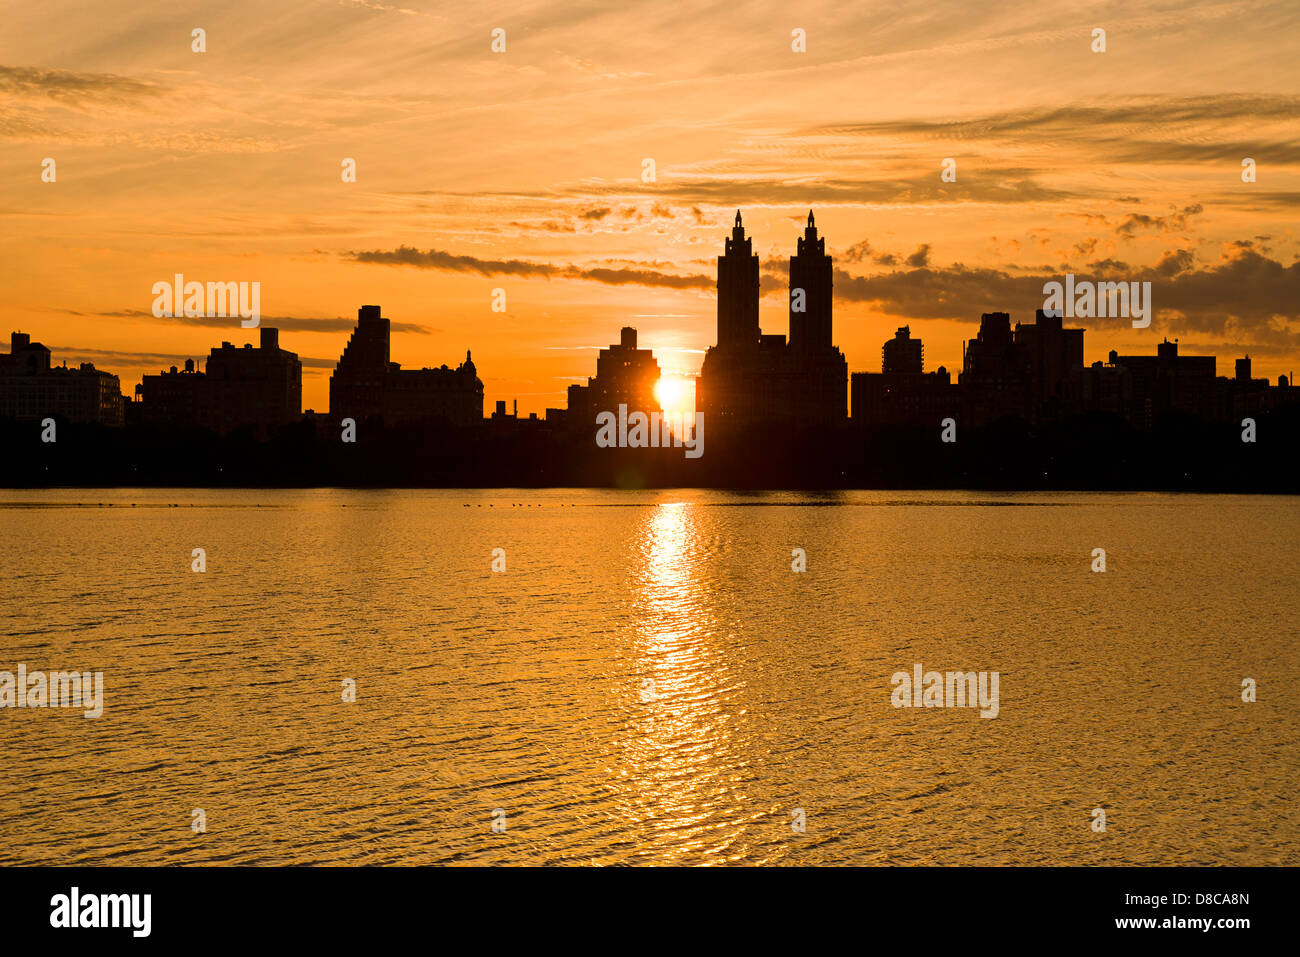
(522, 171)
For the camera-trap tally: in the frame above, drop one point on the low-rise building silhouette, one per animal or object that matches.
(1169, 382)
(902, 393)
(31, 388)
(257, 387)
(174, 398)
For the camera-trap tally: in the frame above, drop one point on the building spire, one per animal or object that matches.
(810, 219)
(737, 230)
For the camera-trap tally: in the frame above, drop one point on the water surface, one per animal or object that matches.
(648, 681)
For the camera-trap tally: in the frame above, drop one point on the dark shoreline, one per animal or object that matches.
(1093, 452)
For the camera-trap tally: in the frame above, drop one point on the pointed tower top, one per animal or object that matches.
(737, 218)
(810, 218)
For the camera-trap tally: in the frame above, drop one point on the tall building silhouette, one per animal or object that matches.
(810, 311)
(749, 377)
(993, 378)
(724, 390)
(358, 381)
(1032, 372)
(1053, 356)
(367, 384)
(738, 292)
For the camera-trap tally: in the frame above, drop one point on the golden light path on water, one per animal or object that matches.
(679, 761)
(648, 680)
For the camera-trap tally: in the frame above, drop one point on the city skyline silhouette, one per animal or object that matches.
(799, 376)
(378, 157)
(758, 395)
(614, 435)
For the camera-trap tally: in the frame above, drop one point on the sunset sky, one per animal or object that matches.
(522, 170)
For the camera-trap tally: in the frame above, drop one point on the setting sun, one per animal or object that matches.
(676, 394)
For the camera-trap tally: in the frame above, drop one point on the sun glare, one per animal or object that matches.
(675, 394)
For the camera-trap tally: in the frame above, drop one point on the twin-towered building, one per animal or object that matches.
(751, 378)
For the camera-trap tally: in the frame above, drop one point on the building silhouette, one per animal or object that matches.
(261, 387)
(1028, 372)
(31, 389)
(1052, 356)
(1169, 382)
(174, 398)
(367, 384)
(1028, 406)
(246, 387)
(625, 375)
(751, 378)
(902, 353)
(993, 380)
(1035, 372)
(902, 393)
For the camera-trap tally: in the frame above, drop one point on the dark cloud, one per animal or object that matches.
(437, 259)
(286, 323)
(1243, 293)
(864, 252)
(160, 360)
(858, 252)
(1011, 185)
(1176, 220)
(1174, 261)
(920, 258)
(546, 226)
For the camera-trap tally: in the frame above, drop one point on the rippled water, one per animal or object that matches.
(648, 681)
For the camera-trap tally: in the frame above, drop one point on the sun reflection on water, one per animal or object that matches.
(679, 765)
